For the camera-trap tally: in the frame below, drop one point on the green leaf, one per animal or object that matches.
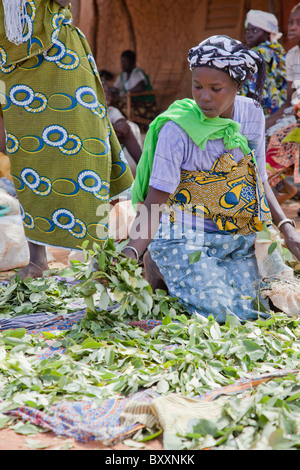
(104, 301)
(254, 351)
(272, 248)
(195, 256)
(90, 343)
(162, 386)
(36, 444)
(167, 320)
(171, 441)
(204, 427)
(109, 356)
(26, 429)
(3, 420)
(151, 436)
(134, 444)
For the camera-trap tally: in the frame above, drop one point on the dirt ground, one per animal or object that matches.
(10, 440)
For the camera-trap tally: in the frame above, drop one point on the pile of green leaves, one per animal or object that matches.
(106, 356)
(266, 419)
(110, 280)
(47, 294)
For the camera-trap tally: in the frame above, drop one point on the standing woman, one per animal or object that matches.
(65, 158)
(204, 161)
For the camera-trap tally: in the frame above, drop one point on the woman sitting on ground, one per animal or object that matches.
(202, 187)
(283, 160)
(133, 79)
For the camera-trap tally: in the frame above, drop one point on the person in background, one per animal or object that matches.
(128, 133)
(284, 116)
(133, 79)
(66, 161)
(282, 159)
(262, 35)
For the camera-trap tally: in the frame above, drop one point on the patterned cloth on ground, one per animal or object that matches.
(173, 412)
(85, 422)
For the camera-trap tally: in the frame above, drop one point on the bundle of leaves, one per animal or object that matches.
(109, 281)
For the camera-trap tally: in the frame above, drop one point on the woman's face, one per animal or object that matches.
(255, 36)
(214, 92)
(126, 64)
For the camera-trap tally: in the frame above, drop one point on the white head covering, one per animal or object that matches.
(266, 21)
(15, 20)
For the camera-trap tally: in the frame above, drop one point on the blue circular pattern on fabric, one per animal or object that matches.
(59, 214)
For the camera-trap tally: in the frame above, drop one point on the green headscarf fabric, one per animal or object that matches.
(200, 128)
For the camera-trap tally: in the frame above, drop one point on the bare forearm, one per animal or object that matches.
(2, 136)
(275, 208)
(147, 220)
(271, 120)
(63, 3)
(291, 236)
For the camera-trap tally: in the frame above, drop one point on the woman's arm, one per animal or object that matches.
(63, 3)
(147, 221)
(279, 113)
(141, 86)
(291, 236)
(127, 138)
(2, 135)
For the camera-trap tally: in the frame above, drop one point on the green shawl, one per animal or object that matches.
(189, 116)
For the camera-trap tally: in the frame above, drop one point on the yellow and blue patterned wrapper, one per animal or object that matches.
(230, 193)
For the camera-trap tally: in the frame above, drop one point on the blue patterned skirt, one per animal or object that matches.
(224, 281)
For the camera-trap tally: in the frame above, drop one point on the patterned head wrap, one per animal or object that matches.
(231, 56)
(15, 20)
(266, 21)
(227, 55)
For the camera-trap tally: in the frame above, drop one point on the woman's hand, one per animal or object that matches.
(291, 239)
(146, 222)
(129, 253)
(291, 236)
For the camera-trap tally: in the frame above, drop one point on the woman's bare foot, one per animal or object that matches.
(38, 262)
(31, 270)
